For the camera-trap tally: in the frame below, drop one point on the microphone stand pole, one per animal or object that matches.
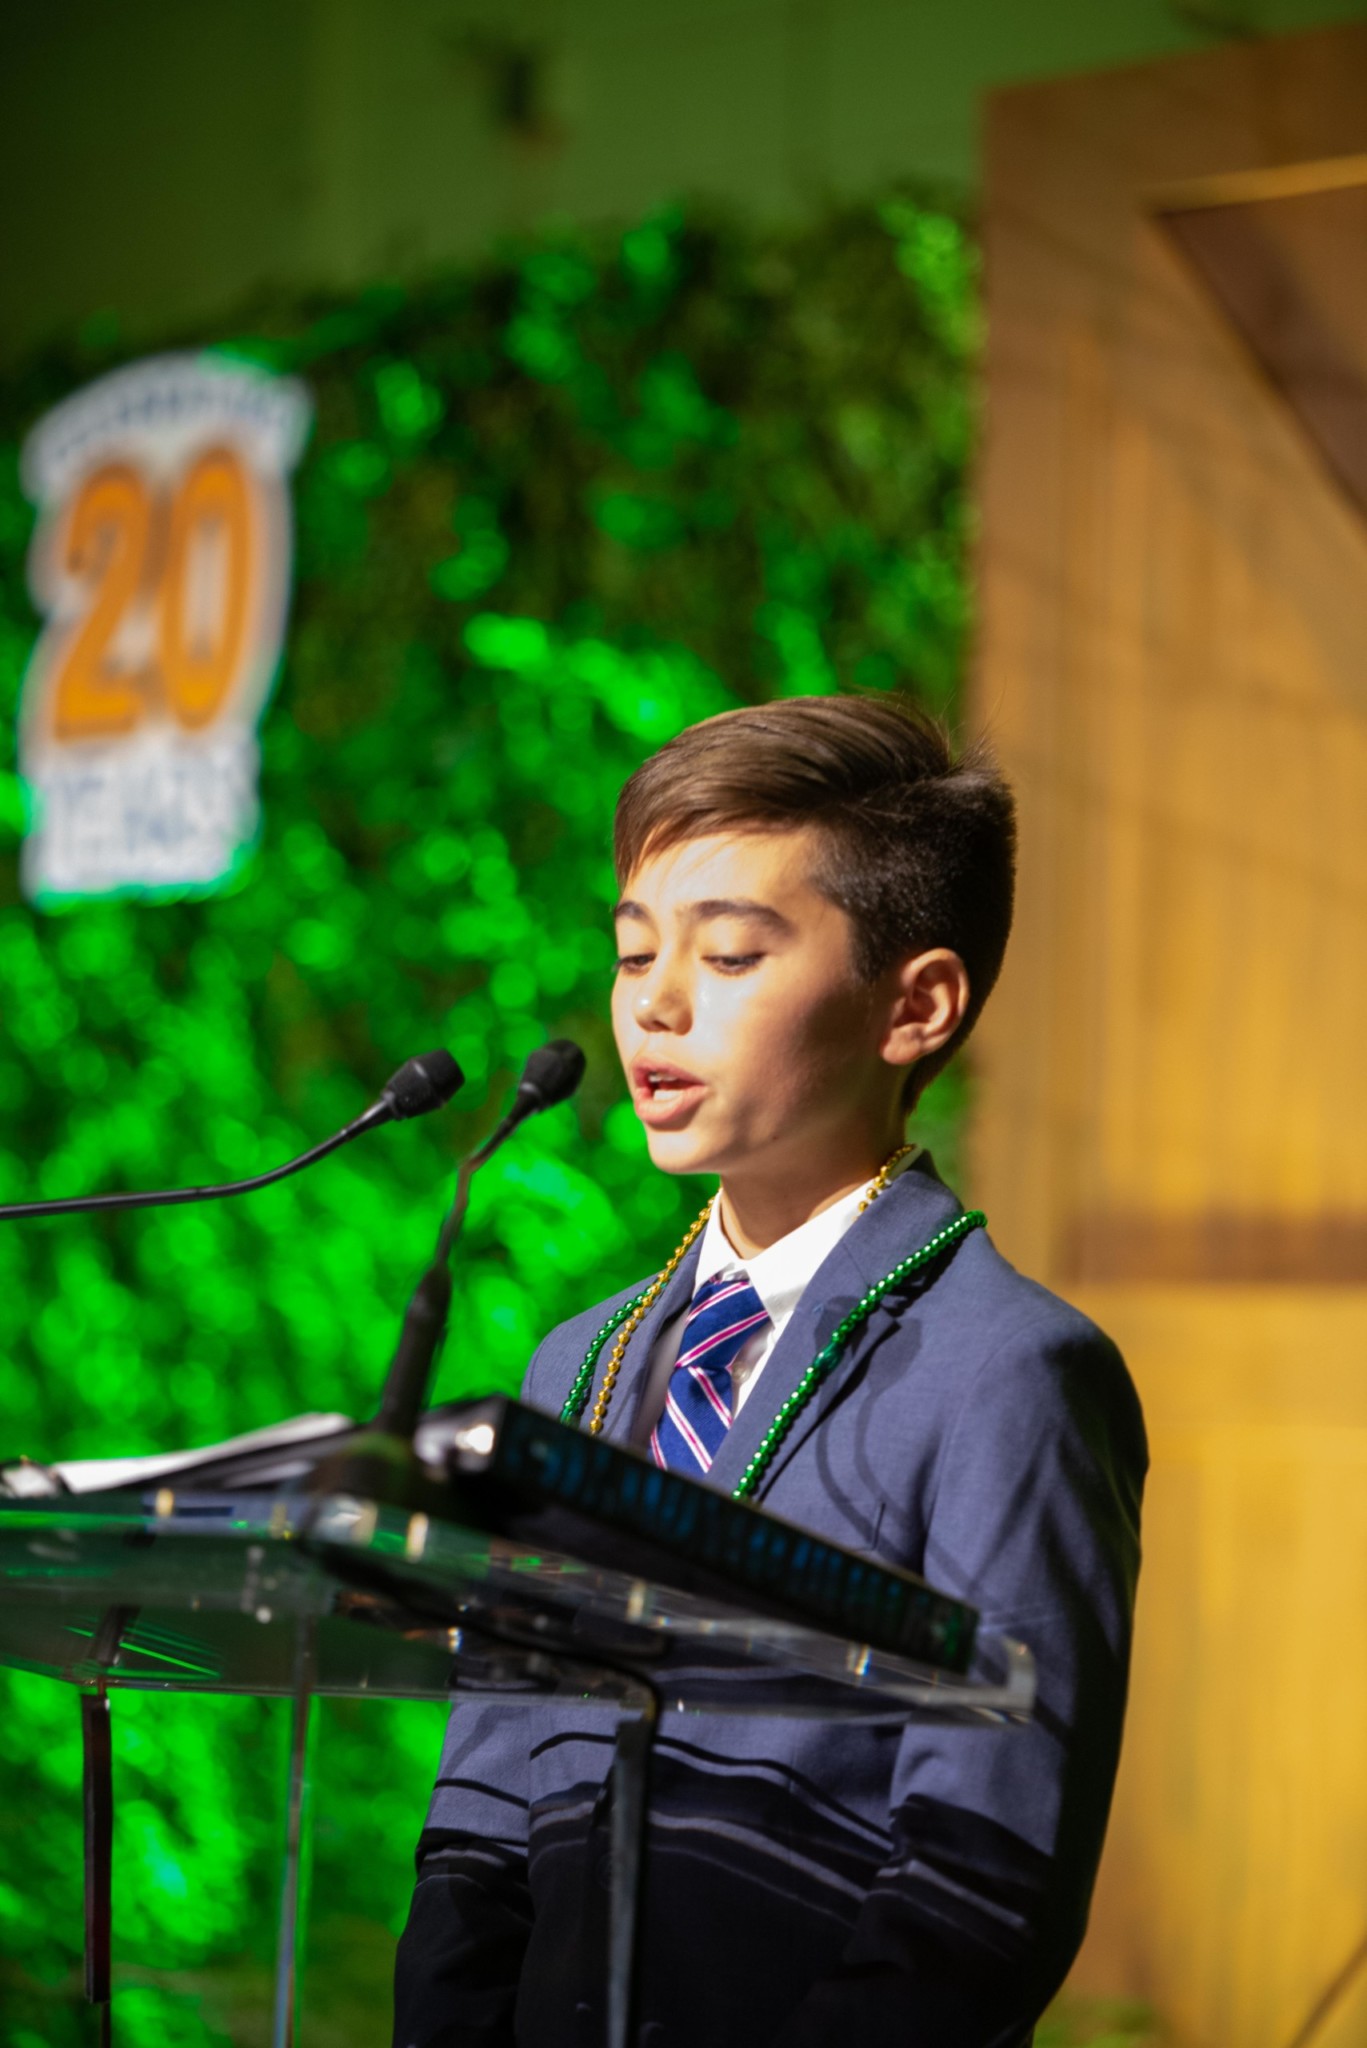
(424, 1323)
(381, 1459)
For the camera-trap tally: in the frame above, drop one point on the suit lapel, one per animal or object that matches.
(904, 1217)
(631, 1385)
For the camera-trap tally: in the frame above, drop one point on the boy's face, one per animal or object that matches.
(751, 1046)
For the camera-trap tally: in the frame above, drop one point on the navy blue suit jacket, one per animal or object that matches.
(823, 1885)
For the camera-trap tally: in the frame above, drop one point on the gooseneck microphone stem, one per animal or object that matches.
(421, 1084)
(460, 1201)
(552, 1073)
(161, 1198)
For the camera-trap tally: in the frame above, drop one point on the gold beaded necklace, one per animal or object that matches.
(641, 1309)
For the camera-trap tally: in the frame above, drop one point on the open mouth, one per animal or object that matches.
(659, 1090)
(666, 1087)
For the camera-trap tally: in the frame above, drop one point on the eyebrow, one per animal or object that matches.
(716, 906)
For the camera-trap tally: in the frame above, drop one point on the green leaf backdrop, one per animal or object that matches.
(553, 508)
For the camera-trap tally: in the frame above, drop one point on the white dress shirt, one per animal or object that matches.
(778, 1275)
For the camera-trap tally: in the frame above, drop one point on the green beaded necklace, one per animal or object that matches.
(819, 1369)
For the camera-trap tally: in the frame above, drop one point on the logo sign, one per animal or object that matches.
(161, 564)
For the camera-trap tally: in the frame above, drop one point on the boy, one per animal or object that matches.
(816, 899)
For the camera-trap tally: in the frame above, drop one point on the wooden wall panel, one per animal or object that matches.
(1173, 1121)
(1235, 1884)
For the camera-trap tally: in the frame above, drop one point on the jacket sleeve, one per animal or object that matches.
(460, 1955)
(973, 1921)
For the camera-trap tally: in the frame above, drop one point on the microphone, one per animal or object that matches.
(551, 1075)
(421, 1084)
(427, 1081)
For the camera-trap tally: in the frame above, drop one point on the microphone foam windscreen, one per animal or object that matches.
(552, 1072)
(424, 1082)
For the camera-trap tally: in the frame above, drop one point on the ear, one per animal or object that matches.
(929, 997)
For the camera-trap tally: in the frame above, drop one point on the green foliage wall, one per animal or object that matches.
(552, 510)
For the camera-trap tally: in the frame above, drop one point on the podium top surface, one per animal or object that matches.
(258, 1592)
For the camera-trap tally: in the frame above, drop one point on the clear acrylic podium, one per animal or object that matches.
(299, 1593)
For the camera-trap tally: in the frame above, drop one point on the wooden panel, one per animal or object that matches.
(1202, 768)
(1235, 1884)
(1275, 265)
(1174, 1094)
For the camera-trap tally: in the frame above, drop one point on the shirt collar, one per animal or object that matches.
(781, 1271)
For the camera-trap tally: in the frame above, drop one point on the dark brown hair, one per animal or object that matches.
(917, 847)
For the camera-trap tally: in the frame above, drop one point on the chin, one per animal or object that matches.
(679, 1152)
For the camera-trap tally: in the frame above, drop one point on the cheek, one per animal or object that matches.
(735, 1028)
(824, 1033)
(621, 1017)
(763, 1042)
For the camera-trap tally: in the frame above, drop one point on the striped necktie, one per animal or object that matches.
(699, 1403)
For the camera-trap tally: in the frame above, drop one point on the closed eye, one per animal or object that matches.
(633, 963)
(733, 963)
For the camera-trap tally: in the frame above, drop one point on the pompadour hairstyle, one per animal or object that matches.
(918, 848)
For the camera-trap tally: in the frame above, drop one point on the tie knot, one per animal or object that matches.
(723, 1313)
(720, 1284)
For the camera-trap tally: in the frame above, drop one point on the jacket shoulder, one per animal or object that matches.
(1039, 1352)
(1000, 1302)
(972, 1305)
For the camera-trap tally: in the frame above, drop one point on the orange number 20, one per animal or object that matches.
(200, 594)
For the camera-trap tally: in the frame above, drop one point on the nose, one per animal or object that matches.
(660, 1002)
